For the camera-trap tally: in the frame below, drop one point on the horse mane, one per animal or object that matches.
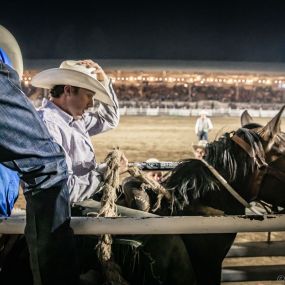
(192, 180)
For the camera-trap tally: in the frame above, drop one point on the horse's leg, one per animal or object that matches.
(207, 253)
(160, 260)
(170, 261)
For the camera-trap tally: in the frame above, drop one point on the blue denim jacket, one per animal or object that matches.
(25, 143)
(27, 147)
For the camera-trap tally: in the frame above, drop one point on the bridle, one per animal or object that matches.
(259, 160)
(263, 168)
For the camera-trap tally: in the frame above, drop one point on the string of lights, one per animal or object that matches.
(118, 77)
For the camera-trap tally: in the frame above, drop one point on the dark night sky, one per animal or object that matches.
(204, 30)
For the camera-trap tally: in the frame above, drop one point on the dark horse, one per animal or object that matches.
(252, 160)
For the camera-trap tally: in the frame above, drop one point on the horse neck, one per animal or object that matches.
(235, 166)
(230, 161)
(192, 181)
(272, 188)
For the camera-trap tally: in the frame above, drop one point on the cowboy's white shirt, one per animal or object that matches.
(74, 137)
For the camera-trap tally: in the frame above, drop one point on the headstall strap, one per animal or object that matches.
(256, 155)
(244, 145)
(261, 169)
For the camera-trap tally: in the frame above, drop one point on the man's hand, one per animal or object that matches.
(101, 75)
(123, 164)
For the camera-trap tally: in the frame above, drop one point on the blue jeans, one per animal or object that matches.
(27, 147)
(202, 135)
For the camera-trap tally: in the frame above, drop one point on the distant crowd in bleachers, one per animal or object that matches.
(187, 96)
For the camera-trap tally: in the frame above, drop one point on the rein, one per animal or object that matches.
(256, 180)
(230, 188)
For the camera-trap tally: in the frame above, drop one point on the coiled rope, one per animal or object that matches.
(111, 270)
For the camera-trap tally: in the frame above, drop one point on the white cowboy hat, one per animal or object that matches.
(152, 159)
(74, 74)
(10, 51)
(201, 144)
(203, 112)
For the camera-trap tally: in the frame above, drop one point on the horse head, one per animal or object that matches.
(273, 139)
(192, 182)
(272, 178)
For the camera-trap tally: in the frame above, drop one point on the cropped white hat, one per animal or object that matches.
(203, 112)
(152, 159)
(10, 51)
(201, 144)
(70, 72)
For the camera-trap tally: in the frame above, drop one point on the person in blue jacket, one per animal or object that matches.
(27, 148)
(9, 179)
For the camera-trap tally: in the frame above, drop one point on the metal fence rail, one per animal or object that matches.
(161, 225)
(188, 225)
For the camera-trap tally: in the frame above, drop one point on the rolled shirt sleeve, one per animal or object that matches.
(106, 118)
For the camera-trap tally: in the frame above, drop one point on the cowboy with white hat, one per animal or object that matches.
(203, 126)
(73, 88)
(199, 149)
(154, 174)
(83, 74)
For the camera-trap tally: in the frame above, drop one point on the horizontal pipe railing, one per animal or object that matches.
(257, 249)
(160, 225)
(254, 273)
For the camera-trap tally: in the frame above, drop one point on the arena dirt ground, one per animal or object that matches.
(170, 139)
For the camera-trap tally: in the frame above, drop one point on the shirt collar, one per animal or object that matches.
(49, 104)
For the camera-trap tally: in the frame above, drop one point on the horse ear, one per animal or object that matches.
(245, 118)
(272, 128)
